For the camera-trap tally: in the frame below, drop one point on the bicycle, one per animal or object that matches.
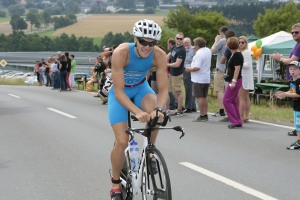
(150, 180)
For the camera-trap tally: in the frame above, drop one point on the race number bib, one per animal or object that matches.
(107, 85)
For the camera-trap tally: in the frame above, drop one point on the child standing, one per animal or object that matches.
(294, 92)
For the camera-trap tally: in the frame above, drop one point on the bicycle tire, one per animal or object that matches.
(126, 190)
(156, 185)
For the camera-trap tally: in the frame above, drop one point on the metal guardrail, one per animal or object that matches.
(25, 61)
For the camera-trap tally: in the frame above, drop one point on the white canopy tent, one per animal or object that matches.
(275, 38)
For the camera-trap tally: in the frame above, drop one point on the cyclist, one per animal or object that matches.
(130, 64)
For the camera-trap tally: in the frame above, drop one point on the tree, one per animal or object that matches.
(2, 13)
(24, 44)
(106, 41)
(30, 5)
(73, 43)
(16, 10)
(150, 3)
(275, 20)
(206, 24)
(45, 17)
(127, 4)
(168, 1)
(87, 45)
(127, 37)
(31, 17)
(202, 23)
(17, 23)
(3, 41)
(33, 10)
(36, 43)
(179, 20)
(149, 10)
(47, 42)
(7, 3)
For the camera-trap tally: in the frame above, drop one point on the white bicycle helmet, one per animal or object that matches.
(147, 29)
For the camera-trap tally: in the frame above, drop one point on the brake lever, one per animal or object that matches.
(179, 128)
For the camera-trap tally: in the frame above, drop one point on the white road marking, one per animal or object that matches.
(62, 113)
(14, 96)
(229, 182)
(266, 123)
(270, 124)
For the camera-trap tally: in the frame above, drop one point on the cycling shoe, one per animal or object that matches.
(116, 194)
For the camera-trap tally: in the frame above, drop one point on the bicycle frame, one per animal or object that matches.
(137, 177)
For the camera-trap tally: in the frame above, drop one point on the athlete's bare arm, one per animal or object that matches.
(160, 62)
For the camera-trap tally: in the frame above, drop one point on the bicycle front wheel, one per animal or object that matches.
(156, 179)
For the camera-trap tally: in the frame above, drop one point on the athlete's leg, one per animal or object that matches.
(148, 104)
(117, 155)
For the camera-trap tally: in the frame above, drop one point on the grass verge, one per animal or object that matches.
(269, 111)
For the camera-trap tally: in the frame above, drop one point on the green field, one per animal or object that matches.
(5, 19)
(47, 33)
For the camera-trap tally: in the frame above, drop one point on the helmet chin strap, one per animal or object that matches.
(137, 51)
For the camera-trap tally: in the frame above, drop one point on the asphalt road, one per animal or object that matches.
(56, 145)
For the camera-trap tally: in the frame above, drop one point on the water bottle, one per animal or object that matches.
(134, 155)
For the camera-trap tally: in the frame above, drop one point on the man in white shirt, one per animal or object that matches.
(200, 76)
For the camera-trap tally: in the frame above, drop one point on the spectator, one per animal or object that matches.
(106, 84)
(294, 93)
(106, 56)
(190, 104)
(93, 79)
(68, 71)
(200, 76)
(177, 56)
(248, 82)
(99, 66)
(47, 80)
(73, 71)
(49, 65)
(63, 73)
(55, 66)
(41, 72)
(171, 103)
(36, 70)
(294, 56)
(230, 100)
(219, 84)
(224, 59)
(58, 58)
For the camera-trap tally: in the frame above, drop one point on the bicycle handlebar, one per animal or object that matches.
(153, 122)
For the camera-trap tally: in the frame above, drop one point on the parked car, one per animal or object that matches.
(4, 73)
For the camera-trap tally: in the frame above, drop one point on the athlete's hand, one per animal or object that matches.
(143, 116)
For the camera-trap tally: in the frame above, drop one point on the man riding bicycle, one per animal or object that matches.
(130, 64)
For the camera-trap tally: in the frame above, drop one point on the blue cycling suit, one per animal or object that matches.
(134, 73)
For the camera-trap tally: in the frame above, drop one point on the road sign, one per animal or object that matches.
(3, 63)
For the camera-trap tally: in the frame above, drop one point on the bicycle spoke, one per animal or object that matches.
(156, 185)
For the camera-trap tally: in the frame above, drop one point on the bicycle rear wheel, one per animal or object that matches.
(156, 185)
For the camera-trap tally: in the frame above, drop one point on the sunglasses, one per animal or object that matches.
(241, 42)
(145, 43)
(296, 32)
(179, 38)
